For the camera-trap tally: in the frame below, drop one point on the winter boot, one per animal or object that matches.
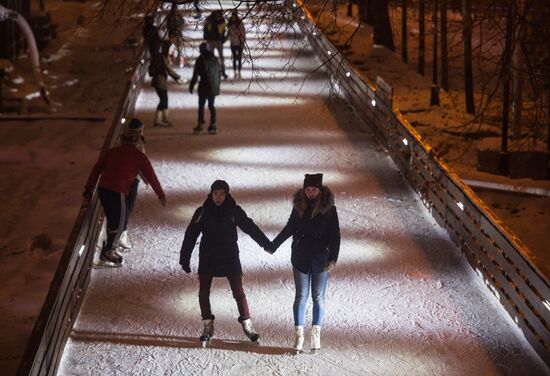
(124, 241)
(212, 128)
(159, 122)
(207, 331)
(315, 338)
(298, 338)
(249, 330)
(165, 118)
(199, 128)
(111, 258)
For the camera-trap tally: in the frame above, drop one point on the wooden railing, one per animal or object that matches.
(496, 254)
(66, 293)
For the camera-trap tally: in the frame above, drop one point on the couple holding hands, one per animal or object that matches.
(315, 231)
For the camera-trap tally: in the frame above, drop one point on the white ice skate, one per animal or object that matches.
(249, 330)
(207, 332)
(124, 242)
(315, 339)
(298, 339)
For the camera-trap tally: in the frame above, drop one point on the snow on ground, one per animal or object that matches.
(444, 126)
(401, 299)
(45, 163)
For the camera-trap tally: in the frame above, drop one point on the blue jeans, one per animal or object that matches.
(318, 283)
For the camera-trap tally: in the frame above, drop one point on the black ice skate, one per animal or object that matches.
(212, 129)
(199, 128)
(249, 330)
(207, 332)
(109, 258)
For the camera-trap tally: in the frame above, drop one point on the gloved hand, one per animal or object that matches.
(186, 268)
(330, 265)
(190, 89)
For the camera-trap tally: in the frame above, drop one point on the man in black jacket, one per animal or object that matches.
(218, 219)
(207, 68)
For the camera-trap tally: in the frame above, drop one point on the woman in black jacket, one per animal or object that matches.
(218, 219)
(315, 231)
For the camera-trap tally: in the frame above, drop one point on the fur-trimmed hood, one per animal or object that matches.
(299, 201)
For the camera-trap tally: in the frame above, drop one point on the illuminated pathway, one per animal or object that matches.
(401, 300)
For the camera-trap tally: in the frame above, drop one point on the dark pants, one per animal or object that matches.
(237, 54)
(116, 212)
(131, 200)
(163, 98)
(202, 102)
(236, 283)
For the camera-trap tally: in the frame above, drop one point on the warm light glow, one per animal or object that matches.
(373, 102)
(405, 142)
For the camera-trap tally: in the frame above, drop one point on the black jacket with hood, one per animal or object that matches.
(218, 250)
(207, 67)
(315, 232)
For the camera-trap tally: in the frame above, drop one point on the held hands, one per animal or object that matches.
(270, 248)
(186, 268)
(330, 265)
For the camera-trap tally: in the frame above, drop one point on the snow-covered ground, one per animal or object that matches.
(401, 299)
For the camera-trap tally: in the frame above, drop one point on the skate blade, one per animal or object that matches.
(314, 351)
(107, 265)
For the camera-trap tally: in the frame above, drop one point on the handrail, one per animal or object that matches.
(505, 263)
(66, 293)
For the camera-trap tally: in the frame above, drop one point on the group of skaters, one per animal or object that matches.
(208, 69)
(313, 225)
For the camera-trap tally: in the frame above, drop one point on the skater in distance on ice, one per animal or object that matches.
(206, 71)
(237, 39)
(217, 219)
(315, 231)
(159, 70)
(118, 168)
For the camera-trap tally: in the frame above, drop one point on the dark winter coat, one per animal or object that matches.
(214, 27)
(207, 67)
(218, 250)
(315, 232)
(159, 69)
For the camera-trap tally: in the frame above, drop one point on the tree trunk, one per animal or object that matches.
(468, 69)
(421, 36)
(517, 75)
(371, 11)
(435, 47)
(444, 55)
(404, 54)
(506, 78)
(382, 27)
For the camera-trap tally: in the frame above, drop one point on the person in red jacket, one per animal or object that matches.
(118, 168)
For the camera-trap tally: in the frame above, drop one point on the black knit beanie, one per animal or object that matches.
(313, 180)
(220, 184)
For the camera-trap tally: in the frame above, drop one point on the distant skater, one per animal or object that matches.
(214, 35)
(117, 169)
(206, 71)
(237, 39)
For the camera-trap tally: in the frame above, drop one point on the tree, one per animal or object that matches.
(421, 36)
(468, 70)
(444, 51)
(404, 54)
(382, 27)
